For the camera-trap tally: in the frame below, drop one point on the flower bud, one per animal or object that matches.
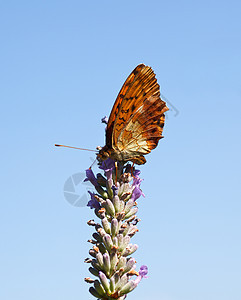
(133, 231)
(92, 252)
(126, 177)
(127, 288)
(116, 202)
(114, 227)
(125, 196)
(108, 205)
(127, 229)
(113, 261)
(122, 205)
(94, 271)
(112, 284)
(123, 280)
(101, 179)
(99, 288)
(102, 192)
(115, 242)
(120, 239)
(129, 265)
(102, 248)
(91, 223)
(96, 265)
(108, 242)
(89, 280)
(120, 191)
(129, 205)
(101, 232)
(99, 259)
(126, 241)
(104, 282)
(105, 225)
(106, 264)
(121, 263)
(100, 213)
(126, 188)
(132, 212)
(130, 250)
(97, 237)
(94, 292)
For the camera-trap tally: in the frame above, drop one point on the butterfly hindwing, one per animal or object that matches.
(144, 129)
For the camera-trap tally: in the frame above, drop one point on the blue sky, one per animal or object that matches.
(62, 65)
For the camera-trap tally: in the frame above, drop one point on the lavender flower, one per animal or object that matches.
(104, 120)
(93, 203)
(137, 192)
(91, 177)
(115, 205)
(142, 274)
(107, 165)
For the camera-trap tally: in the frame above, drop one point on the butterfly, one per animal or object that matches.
(136, 120)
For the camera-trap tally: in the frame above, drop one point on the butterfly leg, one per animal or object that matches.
(132, 168)
(116, 169)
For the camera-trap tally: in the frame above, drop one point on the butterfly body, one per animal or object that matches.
(137, 118)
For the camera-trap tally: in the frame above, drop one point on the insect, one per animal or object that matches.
(137, 118)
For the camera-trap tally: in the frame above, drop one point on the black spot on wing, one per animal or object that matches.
(125, 111)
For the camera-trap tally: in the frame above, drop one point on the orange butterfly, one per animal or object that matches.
(137, 118)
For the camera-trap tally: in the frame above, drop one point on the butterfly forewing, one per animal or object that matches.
(116, 108)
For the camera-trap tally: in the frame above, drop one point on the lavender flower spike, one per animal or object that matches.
(111, 260)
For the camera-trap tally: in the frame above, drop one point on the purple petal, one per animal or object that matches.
(91, 177)
(143, 271)
(136, 173)
(104, 120)
(107, 164)
(93, 203)
(136, 181)
(108, 174)
(137, 193)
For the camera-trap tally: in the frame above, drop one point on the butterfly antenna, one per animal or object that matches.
(56, 145)
(93, 164)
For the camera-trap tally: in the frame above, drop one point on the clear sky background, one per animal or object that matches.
(62, 64)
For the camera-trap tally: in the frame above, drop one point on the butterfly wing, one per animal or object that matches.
(136, 121)
(143, 131)
(126, 88)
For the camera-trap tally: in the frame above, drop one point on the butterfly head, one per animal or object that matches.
(104, 153)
